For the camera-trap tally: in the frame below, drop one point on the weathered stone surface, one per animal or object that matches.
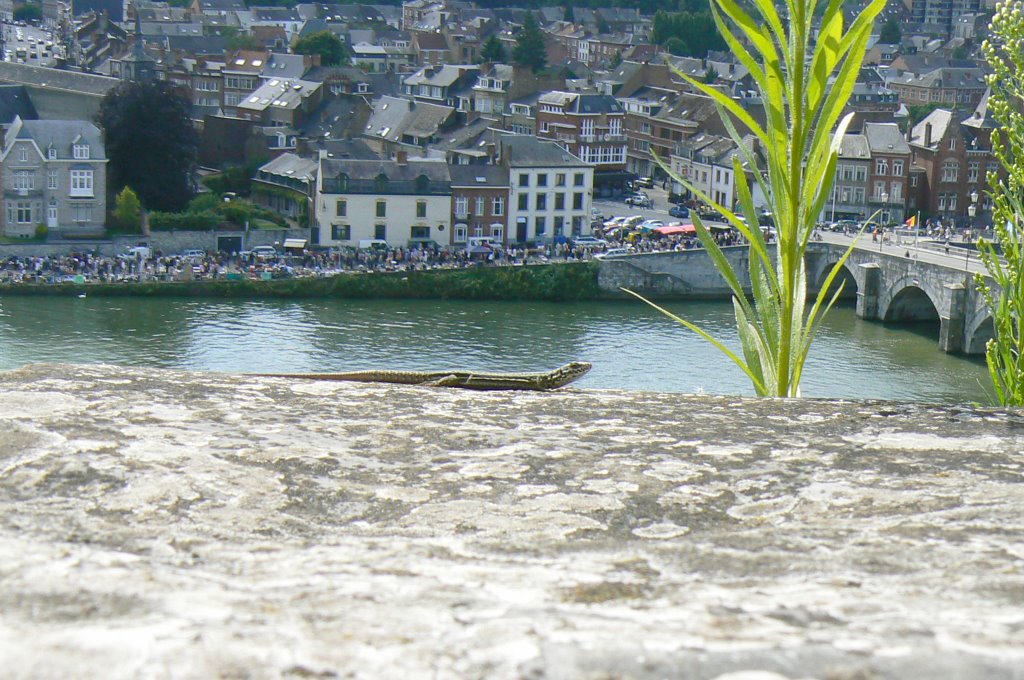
(164, 524)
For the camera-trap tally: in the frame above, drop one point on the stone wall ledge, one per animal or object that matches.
(198, 525)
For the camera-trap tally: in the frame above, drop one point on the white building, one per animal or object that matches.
(402, 201)
(551, 190)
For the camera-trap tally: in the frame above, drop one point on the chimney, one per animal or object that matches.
(401, 157)
(927, 134)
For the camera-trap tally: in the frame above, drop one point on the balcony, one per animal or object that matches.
(11, 192)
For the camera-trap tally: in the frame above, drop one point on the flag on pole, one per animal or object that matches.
(911, 221)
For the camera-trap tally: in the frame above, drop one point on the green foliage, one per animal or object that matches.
(689, 34)
(711, 75)
(492, 50)
(529, 50)
(237, 40)
(1005, 295)
(29, 12)
(331, 49)
(801, 143)
(205, 202)
(150, 142)
(890, 33)
(676, 46)
(128, 211)
(553, 282)
(184, 221)
(918, 112)
(237, 178)
(42, 231)
(567, 15)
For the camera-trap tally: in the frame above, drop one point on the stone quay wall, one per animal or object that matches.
(204, 525)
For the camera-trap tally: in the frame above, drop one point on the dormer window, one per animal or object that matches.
(51, 153)
(22, 153)
(81, 151)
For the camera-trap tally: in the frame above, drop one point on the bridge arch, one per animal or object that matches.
(910, 299)
(847, 277)
(979, 334)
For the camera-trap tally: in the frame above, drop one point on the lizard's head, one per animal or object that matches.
(574, 370)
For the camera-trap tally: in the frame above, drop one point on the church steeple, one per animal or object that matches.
(138, 65)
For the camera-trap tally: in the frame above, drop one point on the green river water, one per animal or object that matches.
(631, 346)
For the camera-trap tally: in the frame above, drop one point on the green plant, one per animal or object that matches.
(41, 231)
(1005, 351)
(800, 151)
(128, 211)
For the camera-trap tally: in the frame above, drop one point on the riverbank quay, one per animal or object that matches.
(556, 282)
(167, 523)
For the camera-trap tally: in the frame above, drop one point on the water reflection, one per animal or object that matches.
(632, 346)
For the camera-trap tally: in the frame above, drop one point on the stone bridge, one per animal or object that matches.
(891, 284)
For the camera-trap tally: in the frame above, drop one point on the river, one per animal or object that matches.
(631, 346)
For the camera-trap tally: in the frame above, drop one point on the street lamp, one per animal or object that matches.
(972, 210)
(881, 228)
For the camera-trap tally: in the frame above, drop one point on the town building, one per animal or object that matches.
(54, 176)
(591, 128)
(850, 189)
(888, 171)
(479, 202)
(550, 190)
(403, 202)
(286, 185)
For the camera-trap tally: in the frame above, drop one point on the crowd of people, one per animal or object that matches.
(91, 267)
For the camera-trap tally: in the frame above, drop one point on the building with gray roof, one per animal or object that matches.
(54, 174)
(58, 94)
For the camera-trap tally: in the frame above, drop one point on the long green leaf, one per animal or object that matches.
(758, 386)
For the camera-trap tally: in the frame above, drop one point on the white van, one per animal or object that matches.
(373, 244)
(477, 241)
(136, 253)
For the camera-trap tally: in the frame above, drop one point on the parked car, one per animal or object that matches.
(644, 182)
(613, 252)
(679, 211)
(589, 241)
(650, 225)
(260, 251)
(639, 201)
(194, 254)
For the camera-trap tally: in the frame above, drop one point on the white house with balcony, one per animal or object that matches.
(403, 202)
(54, 175)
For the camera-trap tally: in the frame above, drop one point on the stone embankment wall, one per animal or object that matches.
(689, 273)
(170, 524)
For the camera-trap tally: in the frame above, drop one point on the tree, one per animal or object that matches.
(237, 40)
(890, 33)
(529, 49)
(567, 14)
(329, 46)
(492, 50)
(30, 13)
(150, 142)
(1005, 263)
(677, 46)
(800, 141)
(128, 211)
